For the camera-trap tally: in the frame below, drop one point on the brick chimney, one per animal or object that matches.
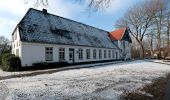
(44, 11)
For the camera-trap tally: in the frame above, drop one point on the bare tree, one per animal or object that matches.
(93, 5)
(161, 22)
(138, 19)
(150, 42)
(37, 3)
(3, 43)
(159, 6)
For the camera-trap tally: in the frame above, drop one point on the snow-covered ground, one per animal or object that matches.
(160, 61)
(3, 73)
(107, 82)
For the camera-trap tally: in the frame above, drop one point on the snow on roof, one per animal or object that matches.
(37, 26)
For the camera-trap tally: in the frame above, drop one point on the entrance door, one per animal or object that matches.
(71, 55)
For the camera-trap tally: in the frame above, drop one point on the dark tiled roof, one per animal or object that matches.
(37, 26)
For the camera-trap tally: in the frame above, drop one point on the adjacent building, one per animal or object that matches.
(122, 39)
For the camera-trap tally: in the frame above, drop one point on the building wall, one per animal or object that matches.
(126, 50)
(35, 52)
(16, 43)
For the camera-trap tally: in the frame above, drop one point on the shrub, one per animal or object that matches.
(0, 59)
(10, 62)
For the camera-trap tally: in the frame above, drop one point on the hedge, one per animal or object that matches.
(10, 62)
(0, 59)
(44, 65)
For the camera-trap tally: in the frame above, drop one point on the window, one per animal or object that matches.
(100, 54)
(48, 53)
(17, 43)
(116, 55)
(61, 54)
(71, 54)
(113, 54)
(17, 52)
(88, 53)
(80, 51)
(109, 54)
(94, 53)
(105, 56)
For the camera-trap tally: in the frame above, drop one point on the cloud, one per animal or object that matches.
(16, 7)
(7, 26)
(63, 8)
(117, 6)
(12, 12)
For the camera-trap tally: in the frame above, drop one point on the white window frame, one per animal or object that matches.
(61, 54)
(80, 53)
(94, 53)
(116, 54)
(100, 54)
(48, 53)
(113, 54)
(87, 53)
(105, 53)
(109, 54)
(17, 52)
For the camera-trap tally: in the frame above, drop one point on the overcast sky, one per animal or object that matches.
(12, 11)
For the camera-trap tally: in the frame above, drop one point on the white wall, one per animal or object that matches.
(35, 52)
(126, 50)
(16, 43)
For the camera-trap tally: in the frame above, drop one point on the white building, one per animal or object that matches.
(44, 37)
(123, 41)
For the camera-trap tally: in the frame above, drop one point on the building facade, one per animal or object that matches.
(122, 39)
(44, 37)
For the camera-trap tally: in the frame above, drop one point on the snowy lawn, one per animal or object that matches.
(3, 73)
(161, 61)
(107, 82)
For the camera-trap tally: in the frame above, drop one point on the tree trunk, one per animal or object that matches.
(168, 26)
(159, 38)
(142, 55)
(151, 45)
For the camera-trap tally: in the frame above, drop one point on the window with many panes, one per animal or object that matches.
(17, 52)
(109, 54)
(113, 54)
(100, 54)
(105, 55)
(116, 55)
(61, 54)
(94, 53)
(87, 53)
(80, 51)
(48, 53)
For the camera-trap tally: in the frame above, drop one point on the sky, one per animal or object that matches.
(12, 11)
